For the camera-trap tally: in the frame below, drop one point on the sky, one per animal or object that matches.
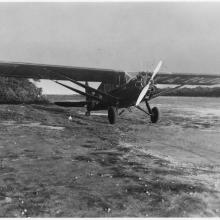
(128, 36)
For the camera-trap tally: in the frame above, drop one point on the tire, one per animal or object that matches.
(155, 115)
(112, 114)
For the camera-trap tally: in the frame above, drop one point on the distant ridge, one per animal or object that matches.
(195, 92)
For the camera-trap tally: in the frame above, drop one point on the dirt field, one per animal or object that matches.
(53, 167)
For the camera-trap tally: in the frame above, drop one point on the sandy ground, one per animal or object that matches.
(53, 167)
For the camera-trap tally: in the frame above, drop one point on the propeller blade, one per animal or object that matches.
(145, 89)
(157, 69)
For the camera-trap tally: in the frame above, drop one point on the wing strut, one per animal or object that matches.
(90, 88)
(164, 92)
(78, 91)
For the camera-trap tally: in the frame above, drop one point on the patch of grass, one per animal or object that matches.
(185, 205)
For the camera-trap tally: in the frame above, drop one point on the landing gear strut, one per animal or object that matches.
(154, 113)
(87, 113)
(112, 114)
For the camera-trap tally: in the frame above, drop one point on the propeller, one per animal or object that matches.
(145, 89)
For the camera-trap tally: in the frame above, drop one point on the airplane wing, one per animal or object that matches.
(55, 72)
(187, 79)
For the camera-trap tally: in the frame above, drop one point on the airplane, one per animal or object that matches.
(118, 89)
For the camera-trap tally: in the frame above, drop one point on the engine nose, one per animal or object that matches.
(141, 80)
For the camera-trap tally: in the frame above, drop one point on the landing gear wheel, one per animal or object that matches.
(112, 114)
(155, 115)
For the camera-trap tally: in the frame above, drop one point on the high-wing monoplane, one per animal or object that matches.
(118, 89)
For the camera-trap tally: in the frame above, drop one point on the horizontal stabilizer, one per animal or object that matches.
(71, 104)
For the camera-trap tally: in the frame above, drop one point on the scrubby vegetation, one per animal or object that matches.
(15, 91)
(195, 92)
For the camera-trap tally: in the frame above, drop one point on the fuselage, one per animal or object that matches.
(126, 94)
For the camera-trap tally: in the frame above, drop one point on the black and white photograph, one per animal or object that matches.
(110, 109)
